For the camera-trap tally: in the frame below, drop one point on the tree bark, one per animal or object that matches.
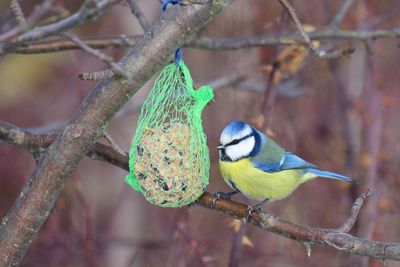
(21, 225)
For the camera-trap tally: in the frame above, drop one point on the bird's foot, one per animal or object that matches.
(256, 208)
(219, 195)
(251, 210)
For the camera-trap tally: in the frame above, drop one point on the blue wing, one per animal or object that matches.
(288, 161)
(291, 161)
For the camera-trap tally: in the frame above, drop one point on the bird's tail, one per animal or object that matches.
(331, 175)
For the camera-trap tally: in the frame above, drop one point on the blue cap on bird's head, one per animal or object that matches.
(235, 130)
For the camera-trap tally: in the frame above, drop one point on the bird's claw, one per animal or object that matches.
(251, 210)
(219, 195)
(255, 208)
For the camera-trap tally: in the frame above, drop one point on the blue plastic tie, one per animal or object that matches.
(166, 2)
(178, 52)
(178, 56)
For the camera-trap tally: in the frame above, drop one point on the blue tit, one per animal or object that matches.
(254, 165)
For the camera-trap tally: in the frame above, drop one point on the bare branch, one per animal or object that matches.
(40, 10)
(37, 142)
(315, 51)
(22, 223)
(139, 15)
(108, 154)
(355, 210)
(315, 236)
(26, 139)
(244, 42)
(18, 13)
(87, 12)
(97, 75)
(344, 9)
(334, 238)
(268, 40)
(62, 44)
(114, 144)
(37, 14)
(97, 54)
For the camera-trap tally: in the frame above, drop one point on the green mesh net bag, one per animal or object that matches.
(169, 161)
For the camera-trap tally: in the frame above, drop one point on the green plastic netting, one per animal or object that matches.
(169, 161)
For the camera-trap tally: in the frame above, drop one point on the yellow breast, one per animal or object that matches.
(257, 184)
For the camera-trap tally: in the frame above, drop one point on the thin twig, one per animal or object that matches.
(37, 13)
(355, 210)
(139, 15)
(344, 9)
(96, 75)
(114, 144)
(315, 51)
(18, 13)
(96, 53)
(87, 12)
(268, 101)
(40, 10)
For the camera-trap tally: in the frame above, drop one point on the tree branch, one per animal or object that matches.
(18, 13)
(89, 11)
(233, 43)
(96, 53)
(37, 142)
(355, 210)
(334, 238)
(344, 9)
(268, 40)
(22, 223)
(26, 43)
(139, 15)
(62, 44)
(316, 236)
(314, 50)
(36, 14)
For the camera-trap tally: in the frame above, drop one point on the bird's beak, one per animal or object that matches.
(219, 147)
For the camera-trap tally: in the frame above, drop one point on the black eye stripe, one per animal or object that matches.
(237, 141)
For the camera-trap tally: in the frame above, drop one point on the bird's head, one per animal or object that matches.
(238, 140)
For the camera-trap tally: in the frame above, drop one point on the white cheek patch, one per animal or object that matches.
(241, 150)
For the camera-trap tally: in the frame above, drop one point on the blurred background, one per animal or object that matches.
(341, 114)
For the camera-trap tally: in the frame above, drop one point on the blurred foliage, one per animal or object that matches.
(18, 76)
